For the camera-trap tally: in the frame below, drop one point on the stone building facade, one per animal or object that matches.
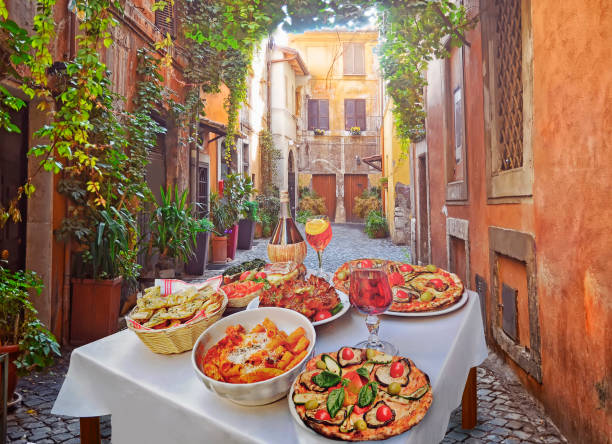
(343, 93)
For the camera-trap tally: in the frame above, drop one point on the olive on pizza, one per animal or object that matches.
(361, 395)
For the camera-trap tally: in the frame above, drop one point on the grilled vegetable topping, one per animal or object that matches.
(306, 379)
(380, 415)
(323, 417)
(349, 356)
(384, 373)
(379, 357)
(331, 365)
(347, 425)
(304, 398)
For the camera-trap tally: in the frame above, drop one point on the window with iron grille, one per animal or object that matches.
(164, 20)
(509, 84)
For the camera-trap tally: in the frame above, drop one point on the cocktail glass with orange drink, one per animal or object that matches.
(319, 234)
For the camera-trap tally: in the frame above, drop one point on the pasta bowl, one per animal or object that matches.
(262, 392)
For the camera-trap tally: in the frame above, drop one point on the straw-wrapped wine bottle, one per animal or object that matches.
(286, 244)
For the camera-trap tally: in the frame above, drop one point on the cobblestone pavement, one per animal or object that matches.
(506, 412)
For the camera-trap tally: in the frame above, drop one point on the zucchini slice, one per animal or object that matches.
(418, 393)
(331, 364)
(303, 398)
(347, 425)
(382, 358)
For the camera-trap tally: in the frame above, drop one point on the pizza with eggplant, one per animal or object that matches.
(359, 394)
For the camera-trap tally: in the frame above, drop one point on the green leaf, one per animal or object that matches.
(362, 371)
(367, 394)
(335, 401)
(326, 379)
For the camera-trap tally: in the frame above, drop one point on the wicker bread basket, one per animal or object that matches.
(177, 339)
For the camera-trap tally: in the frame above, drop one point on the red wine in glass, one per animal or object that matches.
(371, 293)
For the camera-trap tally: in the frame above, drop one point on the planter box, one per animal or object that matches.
(94, 309)
(232, 242)
(197, 264)
(246, 234)
(219, 249)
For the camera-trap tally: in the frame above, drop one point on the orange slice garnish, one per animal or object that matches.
(316, 226)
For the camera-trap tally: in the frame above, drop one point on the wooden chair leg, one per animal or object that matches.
(90, 430)
(469, 406)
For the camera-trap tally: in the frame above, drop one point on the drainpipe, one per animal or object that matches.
(65, 300)
(269, 47)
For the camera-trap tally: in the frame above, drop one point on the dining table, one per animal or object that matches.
(154, 398)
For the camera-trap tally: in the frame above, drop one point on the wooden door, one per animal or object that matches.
(354, 186)
(13, 174)
(325, 186)
(423, 221)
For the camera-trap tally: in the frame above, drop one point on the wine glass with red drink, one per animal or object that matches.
(319, 234)
(371, 293)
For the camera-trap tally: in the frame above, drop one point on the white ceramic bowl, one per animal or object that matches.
(256, 393)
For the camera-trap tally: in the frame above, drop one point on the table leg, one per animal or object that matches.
(469, 406)
(90, 430)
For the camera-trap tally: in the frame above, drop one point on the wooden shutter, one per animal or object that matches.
(323, 114)
(349, 113)
(359, 59)
(360, 114)
(313, 114)
(164, 20)
(349, 58)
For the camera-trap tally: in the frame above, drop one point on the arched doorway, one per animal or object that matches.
(291, 183)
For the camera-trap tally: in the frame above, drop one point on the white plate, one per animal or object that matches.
(295, 415)
(346, 304)
(421, 314)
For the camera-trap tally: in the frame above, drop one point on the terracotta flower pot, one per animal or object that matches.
(258, 230)
(232, 242)
(94, 309)
(13, 352)
(219, 249)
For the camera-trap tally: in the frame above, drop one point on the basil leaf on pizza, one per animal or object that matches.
(367, 394)
(335, 401)
(326, 379)
(362, 371)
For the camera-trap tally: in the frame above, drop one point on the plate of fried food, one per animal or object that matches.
(314, 297)
(172, 323)
(252, 357)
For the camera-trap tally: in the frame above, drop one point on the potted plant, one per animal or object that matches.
(29, 344)
(107, 254)
(174, 230)
(376, 225)
(237, 189)
(246, 226)
(222, 222)
(199, 260)
(319, 132)
(269, 209)
(355, 131)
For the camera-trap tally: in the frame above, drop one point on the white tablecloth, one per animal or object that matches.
(158, 399)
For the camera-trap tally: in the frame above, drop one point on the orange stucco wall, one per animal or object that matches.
(569, 213)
